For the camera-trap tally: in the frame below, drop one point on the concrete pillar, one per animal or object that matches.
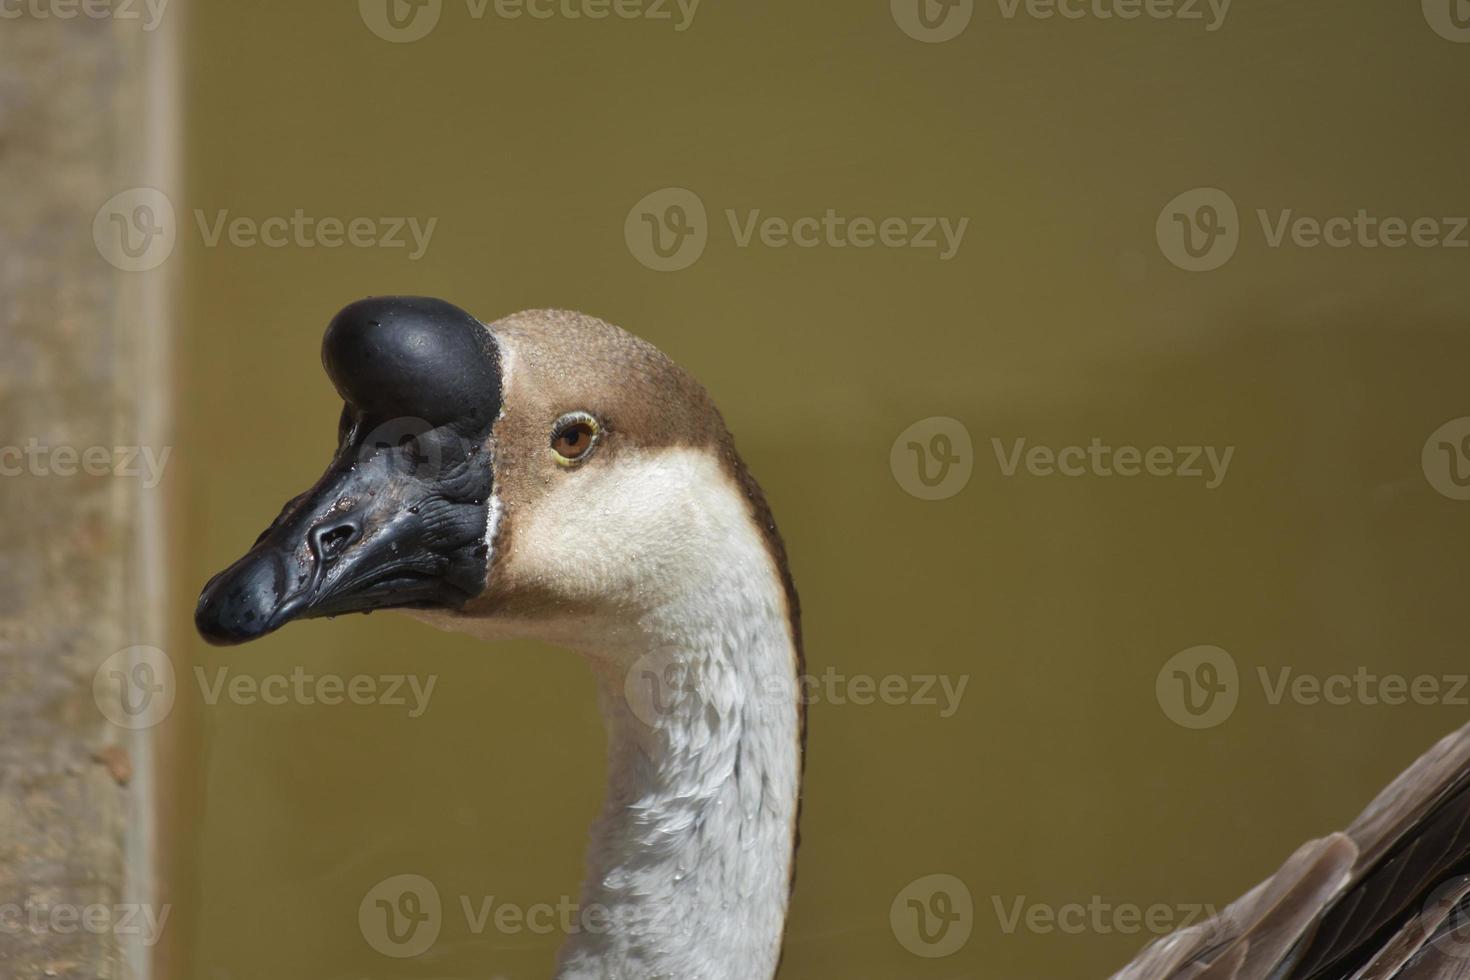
(86, 114)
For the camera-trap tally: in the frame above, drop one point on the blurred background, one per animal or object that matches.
(1097, 229)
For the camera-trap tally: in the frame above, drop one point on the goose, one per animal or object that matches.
(550, 476)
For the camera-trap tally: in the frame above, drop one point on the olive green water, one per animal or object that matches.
(1058, 779)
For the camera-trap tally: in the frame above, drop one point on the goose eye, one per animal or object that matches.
(574, 437)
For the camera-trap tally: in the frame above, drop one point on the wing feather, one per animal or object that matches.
(1381, 901)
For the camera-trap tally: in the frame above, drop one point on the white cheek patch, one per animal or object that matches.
(633, 526)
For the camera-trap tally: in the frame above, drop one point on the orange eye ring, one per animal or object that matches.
(574, 436)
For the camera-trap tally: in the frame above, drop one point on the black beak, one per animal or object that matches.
(399, 518)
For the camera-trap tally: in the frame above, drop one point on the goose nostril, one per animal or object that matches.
(328, 543)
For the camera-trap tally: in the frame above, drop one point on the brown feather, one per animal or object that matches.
(1373, 903)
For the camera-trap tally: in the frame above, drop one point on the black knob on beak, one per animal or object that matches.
(414, 357)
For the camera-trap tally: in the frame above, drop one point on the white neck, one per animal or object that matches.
(689, 867)
(690, 862)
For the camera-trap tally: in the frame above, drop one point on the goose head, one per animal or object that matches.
(537, 476)
(549, 476)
